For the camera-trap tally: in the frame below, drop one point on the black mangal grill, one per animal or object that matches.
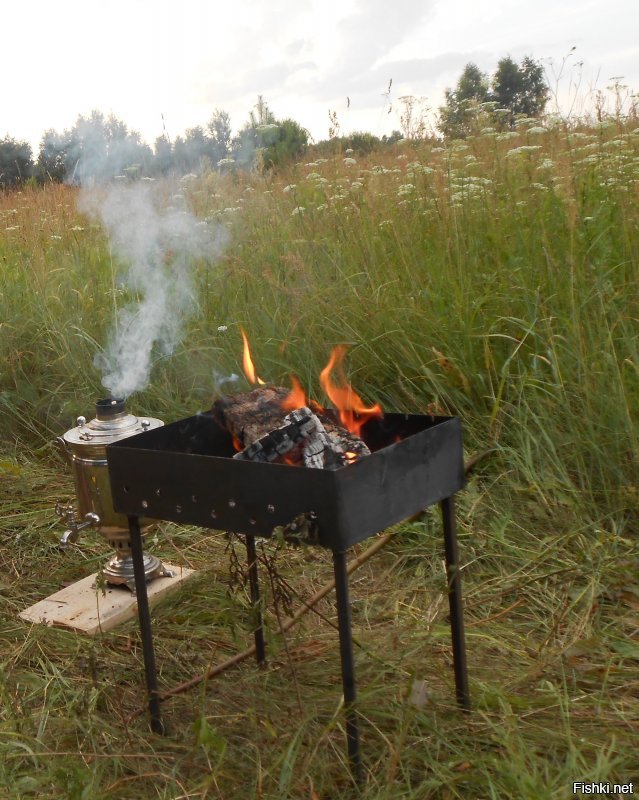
(185, 472)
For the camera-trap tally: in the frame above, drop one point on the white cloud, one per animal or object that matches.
(144, 58)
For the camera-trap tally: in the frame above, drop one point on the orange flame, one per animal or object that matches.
(352, 411)
(247, 363)
(296, 398)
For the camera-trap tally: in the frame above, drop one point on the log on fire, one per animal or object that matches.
(264, 430)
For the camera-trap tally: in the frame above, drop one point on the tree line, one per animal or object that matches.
(100, 147)
(513, 91)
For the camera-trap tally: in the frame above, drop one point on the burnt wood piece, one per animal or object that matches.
(251, 415)
(264, 431)
(302, 440)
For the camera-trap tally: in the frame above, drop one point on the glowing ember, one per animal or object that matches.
(247, 363)
(353, 413)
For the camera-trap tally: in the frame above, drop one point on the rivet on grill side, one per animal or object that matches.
(194, 498)
(213, 514)
(270, 508)
(232, 504)
(144, 504)
(178, 509)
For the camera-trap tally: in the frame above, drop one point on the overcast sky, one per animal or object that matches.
(144, 59)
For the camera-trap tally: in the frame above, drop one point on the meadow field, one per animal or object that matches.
(494, 278)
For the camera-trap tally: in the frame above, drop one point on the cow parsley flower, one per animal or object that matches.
(405, 188)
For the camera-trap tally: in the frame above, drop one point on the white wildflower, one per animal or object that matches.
(536, 129)
(356, 185)
(523, 149)
(313, 176)
(289, 188)
(405, 188)
(222, 328)
(349, 161)
(298, 210)
(547, 163)
(348, 150)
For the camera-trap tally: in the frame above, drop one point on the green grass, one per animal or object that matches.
(486, 280)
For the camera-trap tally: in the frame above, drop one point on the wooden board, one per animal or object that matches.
(84, 609)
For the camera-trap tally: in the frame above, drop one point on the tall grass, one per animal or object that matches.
(493, 278)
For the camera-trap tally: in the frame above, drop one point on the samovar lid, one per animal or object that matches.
(112, 422)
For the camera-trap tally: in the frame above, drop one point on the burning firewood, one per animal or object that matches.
(263, 431)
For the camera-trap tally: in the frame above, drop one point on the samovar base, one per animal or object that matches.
(119, 570)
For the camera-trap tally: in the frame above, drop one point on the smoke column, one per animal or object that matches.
(160, 246)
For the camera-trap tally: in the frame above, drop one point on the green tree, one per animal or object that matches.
(100, 148)
(219, 132)
(52, 156)
(196, 150)
(267, 140)
(16, 163)
(535, 91)
(471, 91)
(290, 142)
(162, 155)
(519, 89)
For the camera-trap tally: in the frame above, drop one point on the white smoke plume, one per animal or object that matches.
(160, 246)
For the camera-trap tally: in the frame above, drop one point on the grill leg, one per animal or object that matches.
(260, 654)
(144, 615)
(348, 665)
(455, 603)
